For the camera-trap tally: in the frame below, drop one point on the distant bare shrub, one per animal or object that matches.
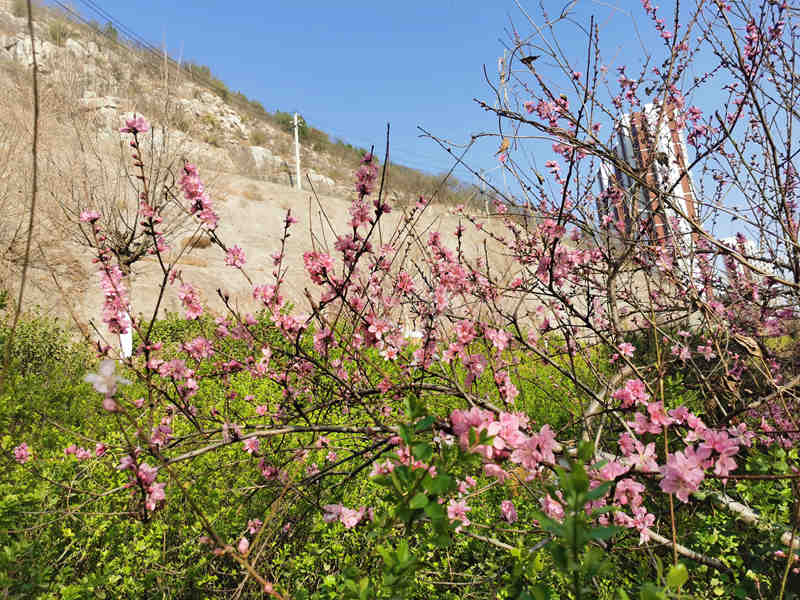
(193, 261)
(251, 192)
(58, 32)
(258, 137)
(19, 8)
(199, 241)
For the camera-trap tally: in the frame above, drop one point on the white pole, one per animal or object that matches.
(126, 339)
(296, 153)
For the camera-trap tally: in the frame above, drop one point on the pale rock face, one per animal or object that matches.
(263, 157)
(231, 122)
(76, 48)
(210, 99)
(318, 179)
(91, 101)
(19, 49)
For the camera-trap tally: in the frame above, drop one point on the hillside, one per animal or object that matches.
(90, 80)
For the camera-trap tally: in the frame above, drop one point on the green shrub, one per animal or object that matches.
(285, 121)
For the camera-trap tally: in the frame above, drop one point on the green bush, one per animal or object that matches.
(286, 122)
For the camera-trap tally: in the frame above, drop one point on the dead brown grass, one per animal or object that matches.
(196, 241)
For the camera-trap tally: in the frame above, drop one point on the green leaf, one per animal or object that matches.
(439, 485)
(405, 433)
(422, 451)
(424, 424)
(677, 576)
(418, 501)
(650, 591)
(603, 533)
(598, 492)
(434, 510)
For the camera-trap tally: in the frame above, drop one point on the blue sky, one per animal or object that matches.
(350, 67)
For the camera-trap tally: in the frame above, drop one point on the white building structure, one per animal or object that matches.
(652, 144)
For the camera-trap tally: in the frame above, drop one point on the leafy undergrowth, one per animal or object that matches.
(62, 537)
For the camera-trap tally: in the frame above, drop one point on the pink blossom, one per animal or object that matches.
(105, 380)
(538, 448)
(351, 517)
(331, 512)
(82, 454)
(235, 257)
(318, 265)
(642, 521)
(626, 349)
(251, 445)
(253, 525)
(89, 216)
(243, 546)
(706, 351)
(552, 508)
(611, 470)
(494, 470)
(366, 176)
(147, 474)
(155, 495)
(644, 459)
(634, 391)
(683, 472)
(135, 125)
(641, 424)
(191, 301)
(629, 491)
(657, 414)
(457, 511)
(22, 454)
(681, 351)
(509, 511)
(626, 443)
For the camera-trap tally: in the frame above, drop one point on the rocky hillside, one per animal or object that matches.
(90, 80)
(99, 71)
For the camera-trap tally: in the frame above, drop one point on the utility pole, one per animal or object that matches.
(296, 153)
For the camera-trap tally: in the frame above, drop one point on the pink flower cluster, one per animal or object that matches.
(633, 392)
(83, 453)
(508, 439)
(349, 517)
(191, 301)
(136, 124)
(318, 265)
(235, 257)
(144, 476)
(366, 176)
(89, 216)
(116, 305)
(22, 453)
(194, 191)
